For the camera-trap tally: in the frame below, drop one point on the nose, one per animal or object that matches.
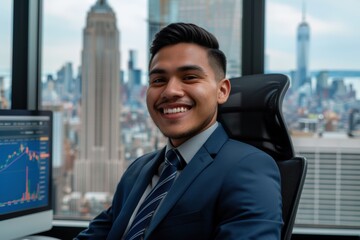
(173, 89)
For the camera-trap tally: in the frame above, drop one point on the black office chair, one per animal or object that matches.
(253, 115)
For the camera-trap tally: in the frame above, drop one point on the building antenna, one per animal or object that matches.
(303, 10)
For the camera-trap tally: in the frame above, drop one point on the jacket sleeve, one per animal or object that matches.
(250, 205)
(101, 226)
(98, 228)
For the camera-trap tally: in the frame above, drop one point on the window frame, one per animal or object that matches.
(26, 54)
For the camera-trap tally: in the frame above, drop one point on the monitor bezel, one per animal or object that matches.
(49, 205)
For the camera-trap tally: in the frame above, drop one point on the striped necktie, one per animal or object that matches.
(173, 162)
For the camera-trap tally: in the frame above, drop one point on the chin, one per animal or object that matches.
(179, 135)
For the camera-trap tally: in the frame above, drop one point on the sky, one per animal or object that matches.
(334, 33)
(65, 20)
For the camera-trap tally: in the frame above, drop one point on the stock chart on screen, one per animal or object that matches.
(24, 163)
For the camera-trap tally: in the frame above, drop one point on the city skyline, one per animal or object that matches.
(325, 30)
(63, 23)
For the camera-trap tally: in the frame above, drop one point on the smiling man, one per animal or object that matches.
(184, 91)
(202, 185)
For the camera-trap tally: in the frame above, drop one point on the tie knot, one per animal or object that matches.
(173, 157)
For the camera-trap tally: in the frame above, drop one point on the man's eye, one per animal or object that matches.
(158, 80)
(190, 77)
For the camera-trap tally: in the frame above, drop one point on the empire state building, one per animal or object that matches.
(100, 164)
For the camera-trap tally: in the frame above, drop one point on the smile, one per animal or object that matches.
(175, 110)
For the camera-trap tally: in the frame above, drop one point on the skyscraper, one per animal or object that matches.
(220, 17)
(99, 164)
(302, 56)
(65, 80)
(161, 13)
(134, 77)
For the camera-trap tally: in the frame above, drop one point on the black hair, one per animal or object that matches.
(190, 33)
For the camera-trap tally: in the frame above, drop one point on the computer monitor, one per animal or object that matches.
(25, 172)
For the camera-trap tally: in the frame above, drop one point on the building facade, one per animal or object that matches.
(99, 164)
(331, 191)
(223, 18)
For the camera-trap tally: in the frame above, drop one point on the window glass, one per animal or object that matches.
(316, 44)
(94, 78)
(5, 53)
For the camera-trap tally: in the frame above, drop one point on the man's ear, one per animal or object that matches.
(223, 91)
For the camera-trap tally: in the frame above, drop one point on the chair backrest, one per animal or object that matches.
(253, 114)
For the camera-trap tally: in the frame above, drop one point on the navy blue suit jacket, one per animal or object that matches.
(229, 190)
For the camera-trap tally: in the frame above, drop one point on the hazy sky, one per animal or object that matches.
(65, 20)
(334, 37)
(334, 33)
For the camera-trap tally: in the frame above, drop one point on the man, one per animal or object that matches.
(223, 189)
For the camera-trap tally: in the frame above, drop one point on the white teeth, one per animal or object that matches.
(174, 110)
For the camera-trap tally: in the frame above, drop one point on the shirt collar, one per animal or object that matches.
(189, 148)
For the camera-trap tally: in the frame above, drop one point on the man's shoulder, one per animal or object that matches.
(236, 147)
(239, 144)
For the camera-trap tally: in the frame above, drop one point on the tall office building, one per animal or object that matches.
(223, 18)
(302, 56)
(65, 81)
(161, 13)
(99, 164)
(134, 73)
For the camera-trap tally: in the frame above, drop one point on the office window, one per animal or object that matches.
(94, 78)
(5, 53)
(316, 44)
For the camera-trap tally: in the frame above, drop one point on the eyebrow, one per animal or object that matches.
(180, 69)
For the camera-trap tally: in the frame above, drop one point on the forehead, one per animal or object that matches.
(180, 54)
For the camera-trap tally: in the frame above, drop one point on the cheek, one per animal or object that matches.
(207, 95)
(149, 101)
(149, 96)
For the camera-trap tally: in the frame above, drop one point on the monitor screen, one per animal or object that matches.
(25, 172)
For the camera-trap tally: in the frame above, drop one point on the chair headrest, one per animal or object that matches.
(253, 113)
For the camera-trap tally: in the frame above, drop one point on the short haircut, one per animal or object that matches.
(180, 32)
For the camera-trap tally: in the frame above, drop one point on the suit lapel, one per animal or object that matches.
(200, 161)
(138, 189)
